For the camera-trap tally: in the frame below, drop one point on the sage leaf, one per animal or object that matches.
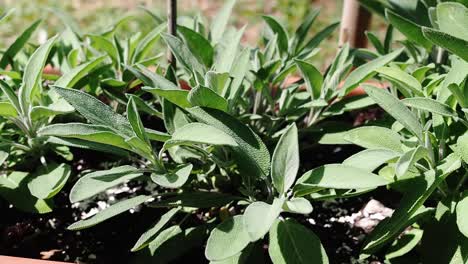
(99, 181)
(199, 133)
(396, 109)
(251, 154)
(312, 77)
(109, 212)
(205, 97)
(260, 216)
(18, 44)
(338, 176)
(227, 239)
(366, 71)
(298, 205)
(408, 28)
(150, 234)
(220, 21)
(32, 74)
(285, 160)
(453, 44)
(173, 179)
(430, 105)
(407, 160)
(370, 159)
(48, 184)
(374, 137)
(462, 215)
(95, 111)
(290, 242)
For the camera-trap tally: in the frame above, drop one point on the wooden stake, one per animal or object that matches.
(355, 21)
(172, 27)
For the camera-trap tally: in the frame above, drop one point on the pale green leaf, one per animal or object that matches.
(374, 137)
(220, 21)
(227, 239)
(109, 212)
(430, 105)
(260, 216)
(46, 185)
(462, 216)
(407, 160)
(285, 160)
(366, 71)
(205, 97)
(72, 77)
(396, 109)
(173, 179)
(99, 181)
(298, 205)
(370, 159)
(291, 242)
(151, 233)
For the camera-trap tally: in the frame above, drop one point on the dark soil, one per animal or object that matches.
(45, 236)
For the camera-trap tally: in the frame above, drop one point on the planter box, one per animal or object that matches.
(15, 260)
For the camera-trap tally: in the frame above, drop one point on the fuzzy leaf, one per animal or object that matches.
(99, 181)
(285, 160)
(109, 212)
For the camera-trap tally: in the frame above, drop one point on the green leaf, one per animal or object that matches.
(260, 216)
(407, 160)
(396, 109)
(135, 121)
(99, 181)
(175, 96)
(303, 30)
(452, 18)
(338, 176)
(11, 95)
(19, 43)
(370, 159)
(7, 110)
(227, 239)
(145, 44)
(220, 21)
(366, 71)
(227, 50)
(312, 77)
(298, 205)
(462, 146)
(173, 179)
(420, 189)
(407, 242)
(183, 55)
(453, 44)
(72, 77)
(95, 111)
(109, 212)
(462, 216)
(58, 107)
(199, 199)
(312, 44)
(199, 133)
(278, 30)
(48, 184)
(374, 137)
(103, 44)
(32, 74)
(14, 189)
(401, 78)
(408, 28)
(217, 82)
(6, 14)
(430, 105)
(205, 97)
(163, 237)
(200, 46)
(94, 133)
(291, 242)
(285, 160)
(151, 233)
(251, 154)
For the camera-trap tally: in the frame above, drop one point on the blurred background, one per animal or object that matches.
(93, 16)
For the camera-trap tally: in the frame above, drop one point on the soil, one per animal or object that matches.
(45, 236)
